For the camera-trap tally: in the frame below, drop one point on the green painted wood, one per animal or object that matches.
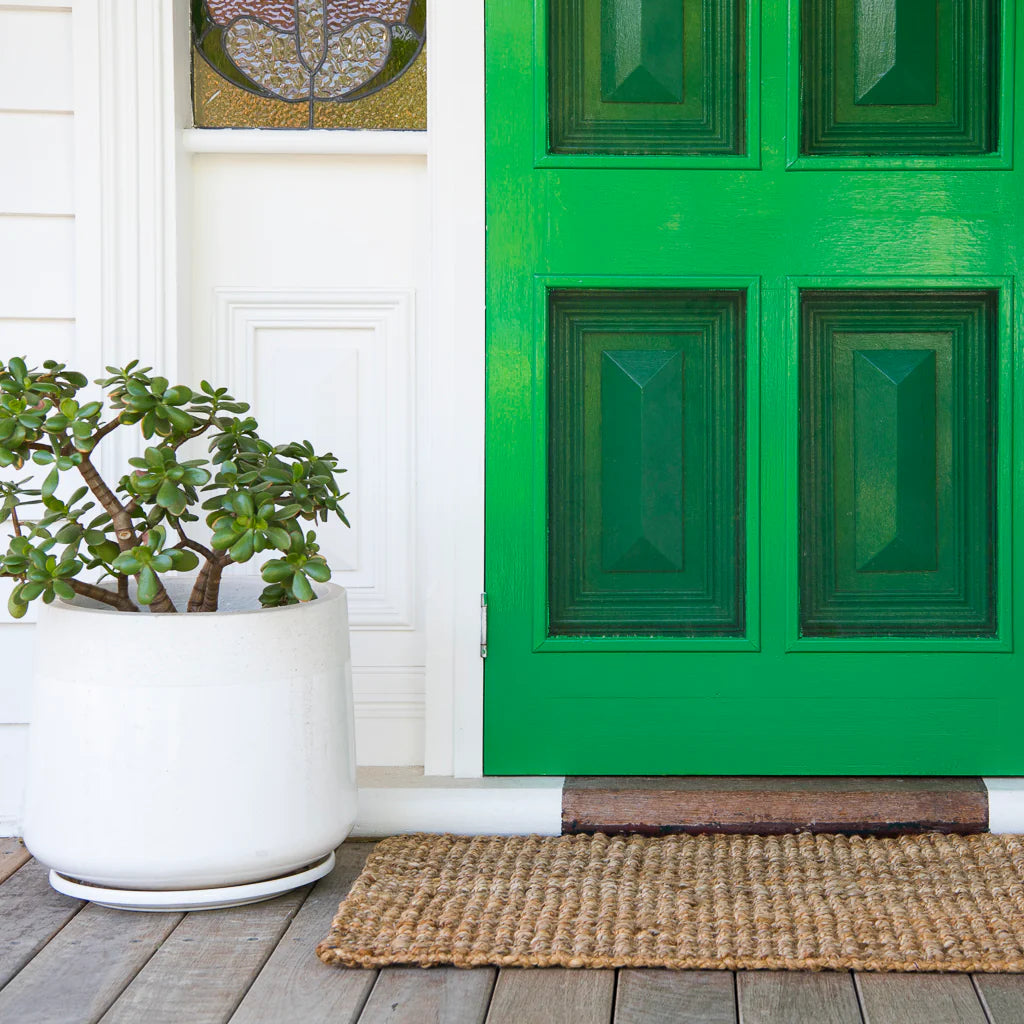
(896, 44)
(770, 701)
(897, 516)
(902, 77)
(642, 51)
(647, 76)
(646, 454)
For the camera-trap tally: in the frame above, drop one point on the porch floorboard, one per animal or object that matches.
(63, 962)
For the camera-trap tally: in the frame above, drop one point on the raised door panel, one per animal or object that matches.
(897, 440)
(646, 458)
(899, 77)
(647, 77)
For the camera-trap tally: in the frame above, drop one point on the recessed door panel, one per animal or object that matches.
(653, 77)
(899, 77)
(898, 409)
(645, 489)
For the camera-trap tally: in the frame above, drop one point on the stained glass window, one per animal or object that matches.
(309, 64)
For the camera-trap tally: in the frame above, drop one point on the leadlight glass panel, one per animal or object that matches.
(309, 64)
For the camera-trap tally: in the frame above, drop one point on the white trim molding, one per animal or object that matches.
(399, 801)
(1005, 804)
(318, 142)
(131, 192)
(376, 329)
(456, 389)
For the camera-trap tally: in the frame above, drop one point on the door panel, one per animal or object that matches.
(632, 77)
(899, 77)
(779, 538)
(646, 462)
(897, 421)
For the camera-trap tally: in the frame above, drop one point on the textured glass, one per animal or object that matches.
(309, 64)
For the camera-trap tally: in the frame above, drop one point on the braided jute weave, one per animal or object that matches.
(914, 903)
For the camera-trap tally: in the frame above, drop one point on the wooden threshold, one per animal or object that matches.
(771, 805)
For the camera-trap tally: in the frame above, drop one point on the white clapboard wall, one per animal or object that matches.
(37, 280)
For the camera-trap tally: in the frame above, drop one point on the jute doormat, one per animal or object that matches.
(914, 903)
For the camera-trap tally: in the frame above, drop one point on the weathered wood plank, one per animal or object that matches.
(294, 984)
(764, 805)
(206, 966)
(31, 913)
(1003, 996)
(12, 855)
(797, 997)
(85, 967)
(681, 997)
(919, 999)
(436, 995)
(552, 995)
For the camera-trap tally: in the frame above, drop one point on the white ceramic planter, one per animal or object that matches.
(191, 751)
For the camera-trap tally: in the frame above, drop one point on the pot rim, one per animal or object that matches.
(328, 592)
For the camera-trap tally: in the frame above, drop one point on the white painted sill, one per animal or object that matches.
(317, 142)
(397, 801)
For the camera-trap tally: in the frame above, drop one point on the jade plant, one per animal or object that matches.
(256, 498)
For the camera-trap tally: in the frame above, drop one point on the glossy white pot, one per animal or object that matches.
(191, 751)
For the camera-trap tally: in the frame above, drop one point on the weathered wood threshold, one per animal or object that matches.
(773, 805)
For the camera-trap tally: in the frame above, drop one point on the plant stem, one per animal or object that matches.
(212, 593)
(120, 602)
(15, 522)
(122, 523)
(106, 429)
(198, 595)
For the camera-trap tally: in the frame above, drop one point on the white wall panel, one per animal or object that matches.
(36, 172)
(35, 57)
(37, 340)
(309, 274)
(37, 276)
(13, 758)
(16, 678)
(357, 404)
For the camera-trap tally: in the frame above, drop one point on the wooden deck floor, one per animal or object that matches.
(65, 962)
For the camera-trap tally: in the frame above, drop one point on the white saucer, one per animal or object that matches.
(157, 900)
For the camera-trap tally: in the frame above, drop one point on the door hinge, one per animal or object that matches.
(483, 625)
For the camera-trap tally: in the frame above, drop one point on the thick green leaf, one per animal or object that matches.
(50, 483)
(319, 571)
(242, 550)
(149, 585)
(277, 571)
(171, 498)
(301, 588)
(15, 605)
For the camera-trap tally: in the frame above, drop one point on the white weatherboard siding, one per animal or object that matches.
(37, 280)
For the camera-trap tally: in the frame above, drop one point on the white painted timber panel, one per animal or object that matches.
(1005, 804)
(36, 282)
(16, 643)
(357, 404)
(35, 58)
(13, 759)
(320, 262)
(396, 801)
(37, 277)
(37, 340)
(36, 172)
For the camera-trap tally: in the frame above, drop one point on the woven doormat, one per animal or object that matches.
(914, 903)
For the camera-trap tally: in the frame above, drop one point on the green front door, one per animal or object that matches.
(753, 288)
